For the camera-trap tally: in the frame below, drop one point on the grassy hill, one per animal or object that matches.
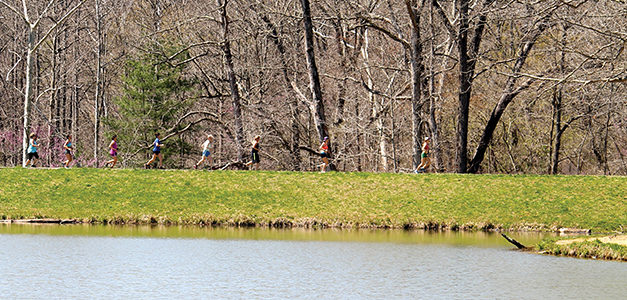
(265, 198)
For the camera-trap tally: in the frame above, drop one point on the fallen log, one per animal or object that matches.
(513, 241)
(564, 231)
(238, 165)
(45, 221)
(310, 150)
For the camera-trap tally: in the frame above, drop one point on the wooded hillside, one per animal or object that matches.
(499, 86)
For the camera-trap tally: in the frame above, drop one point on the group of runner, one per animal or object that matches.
(33, 156)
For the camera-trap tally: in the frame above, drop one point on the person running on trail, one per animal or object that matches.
(67, 147)
(113, 151)
(156, 152)
(255, 154)
(205, 151)
(31, 154)
(324, 153)
(425, 161)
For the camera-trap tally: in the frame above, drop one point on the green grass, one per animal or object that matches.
(587, 249)
(267, 198)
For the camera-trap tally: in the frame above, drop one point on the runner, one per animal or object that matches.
(67, 147)
(156, 152)
(255, 154)
(425, 161)
(31, 154)
(205, 151)
(324, 153)
(113, 151)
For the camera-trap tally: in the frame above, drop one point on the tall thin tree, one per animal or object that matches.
(235, 96)
(314, 79)
(33, 43)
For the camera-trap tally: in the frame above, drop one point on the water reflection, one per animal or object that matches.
(190, 263)
(480, 239)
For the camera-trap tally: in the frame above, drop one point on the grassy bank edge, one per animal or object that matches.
(592, 249)
(244, 221)
(254, 204)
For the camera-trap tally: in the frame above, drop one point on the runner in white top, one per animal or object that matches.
(205, 151)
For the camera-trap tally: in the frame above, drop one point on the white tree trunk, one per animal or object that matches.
(31, 50)
(375, 105)
(27, 92)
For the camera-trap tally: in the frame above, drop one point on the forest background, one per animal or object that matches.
(500, 86)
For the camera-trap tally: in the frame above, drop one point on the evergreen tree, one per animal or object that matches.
(155, 94)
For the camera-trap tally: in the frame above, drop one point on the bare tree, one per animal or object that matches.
(510, 91)
(235, 96)
(468, 51)
(314, 79)
(33, 45)
(485, 74)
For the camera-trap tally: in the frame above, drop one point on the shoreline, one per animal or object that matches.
(267, 199)
(310, 223)
(603, 247)
(331, 200)
(577, 244)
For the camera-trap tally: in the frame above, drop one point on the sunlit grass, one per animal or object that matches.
(313, 199)
(585, 249)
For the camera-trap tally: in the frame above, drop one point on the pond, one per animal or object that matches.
(72, 261)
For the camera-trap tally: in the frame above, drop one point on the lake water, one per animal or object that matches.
(77, 261)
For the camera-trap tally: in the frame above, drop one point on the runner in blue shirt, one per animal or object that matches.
(67, 146)
(31, 154)
(156, 152)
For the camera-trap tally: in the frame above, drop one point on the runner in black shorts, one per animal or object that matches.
(68, 151)
(324, 153)
(255, 154)
(156, 152)
(31, 154)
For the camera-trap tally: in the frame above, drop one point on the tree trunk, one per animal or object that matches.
(435, 97)
(606, 167)
(468, 54)
(358, 139)
(557, 121)
(417, 68)
(375, 106)
(294, 106)
(52, 104)
(27, 92)
(341, 84)
(314, 79)
(236, 102)
(75, 99)
(98, 81)
(465, 85)
(509, 93)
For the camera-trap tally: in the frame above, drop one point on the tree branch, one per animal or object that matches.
(387, 32)
(67, 15)
(445, 20)
(43, 13)
(310, 150)
(21, 15)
